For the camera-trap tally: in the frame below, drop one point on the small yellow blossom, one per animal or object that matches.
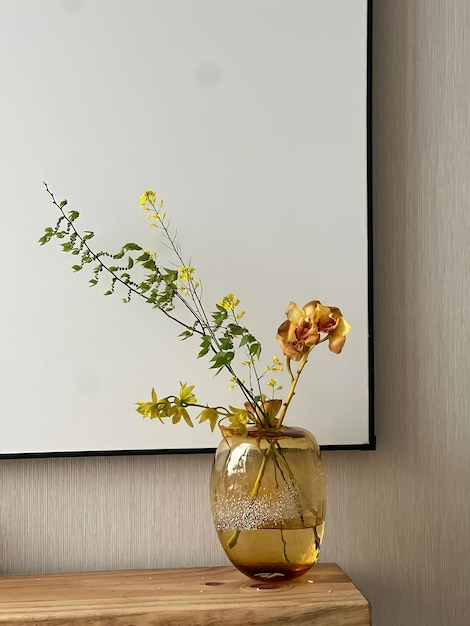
(272, 382)
(240, 315)
(229, 302)
(234, 379)
(148, 197)
(155, 216)
(276, 366)
(186, 394)
(186, 273)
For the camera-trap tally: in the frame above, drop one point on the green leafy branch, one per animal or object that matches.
(220, 332)
(158, 287)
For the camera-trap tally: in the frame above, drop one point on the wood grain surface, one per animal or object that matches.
(220, 596)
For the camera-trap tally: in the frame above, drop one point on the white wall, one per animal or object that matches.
(399, 518)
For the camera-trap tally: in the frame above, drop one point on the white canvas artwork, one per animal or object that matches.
(250, 118)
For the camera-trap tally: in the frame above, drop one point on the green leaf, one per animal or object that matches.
(247, 339)
(130, 263)
(131, 246)
(226, 344)
(230, 355)
(222, 313)
(218, 359)
(234, 329)
(73, 215)
(255, 349)
(44, 239)
(205, 345)
(149, 265)
(221, 359)
(219, 317)
(76, 268)
(63, 203)
(170, 276)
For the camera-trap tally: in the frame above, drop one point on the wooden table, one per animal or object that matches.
(210, 596)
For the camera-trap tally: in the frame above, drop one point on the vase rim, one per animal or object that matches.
(254, 431)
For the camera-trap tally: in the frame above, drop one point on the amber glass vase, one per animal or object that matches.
(268, 501)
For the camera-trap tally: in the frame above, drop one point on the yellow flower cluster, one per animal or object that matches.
(234, 380)
(148, 200)
(276, 366)
(229, 302)
(186, 273)
(273, 382)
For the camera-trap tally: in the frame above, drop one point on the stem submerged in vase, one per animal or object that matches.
(234, 538)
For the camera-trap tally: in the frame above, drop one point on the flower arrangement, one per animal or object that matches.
(177, 292)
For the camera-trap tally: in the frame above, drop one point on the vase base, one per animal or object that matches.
(273, 573)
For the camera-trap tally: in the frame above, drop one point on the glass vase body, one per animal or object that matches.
(268, 493)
